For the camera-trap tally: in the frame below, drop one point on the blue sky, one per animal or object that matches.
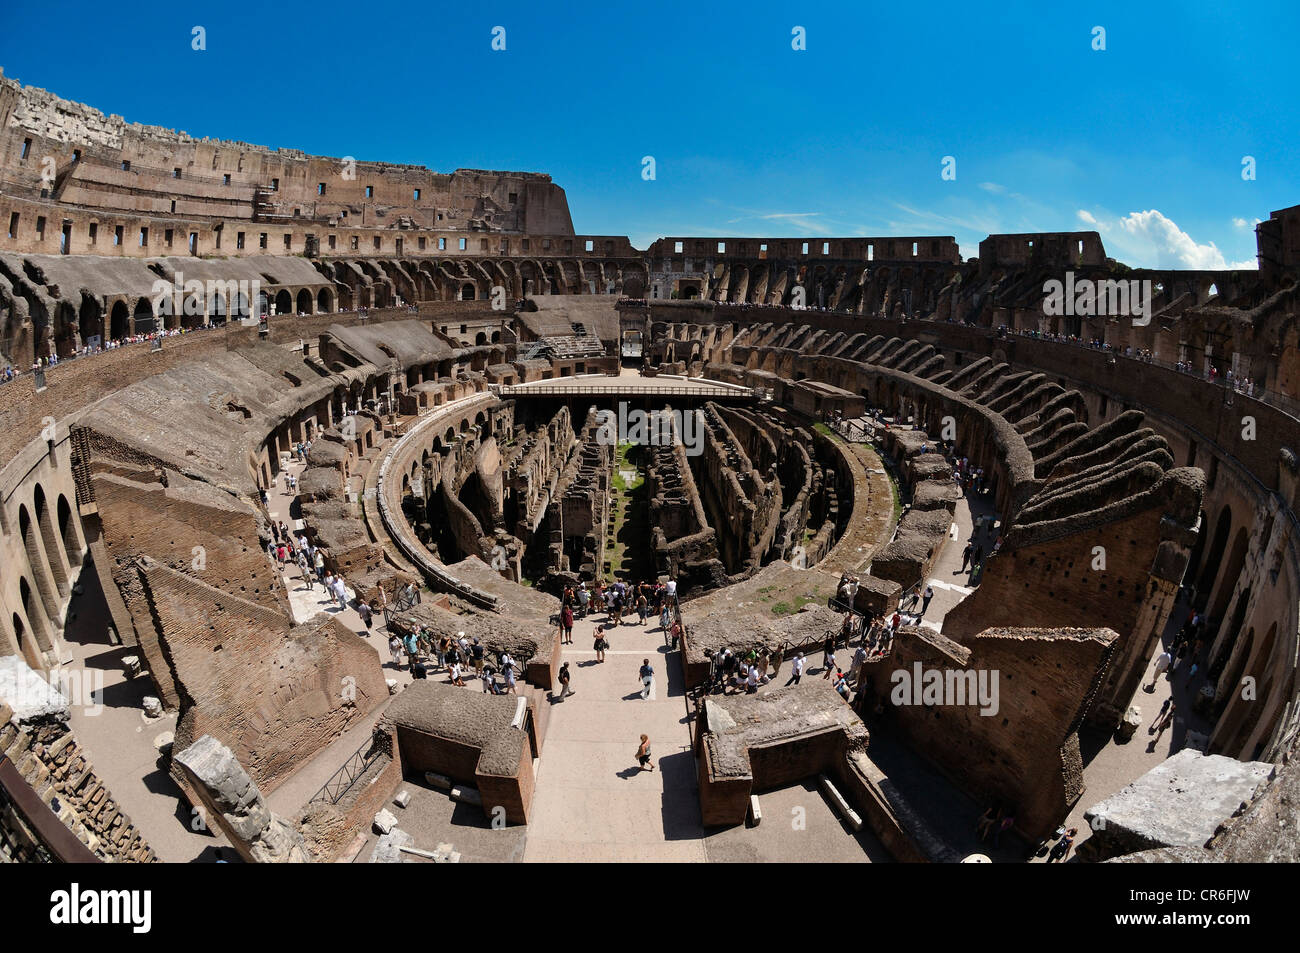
(1143, 141)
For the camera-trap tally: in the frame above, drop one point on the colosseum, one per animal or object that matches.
(311, 460)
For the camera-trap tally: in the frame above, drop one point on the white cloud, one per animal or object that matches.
(1150, 239)
(1086, 217)
(993, 187)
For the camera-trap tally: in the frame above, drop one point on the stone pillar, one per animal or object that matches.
(237, 806)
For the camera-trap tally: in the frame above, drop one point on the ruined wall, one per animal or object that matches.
(1025, 754)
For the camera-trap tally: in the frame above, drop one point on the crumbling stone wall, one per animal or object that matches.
(50, 760)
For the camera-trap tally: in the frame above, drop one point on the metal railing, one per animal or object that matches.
(627, 390)
(354, 768)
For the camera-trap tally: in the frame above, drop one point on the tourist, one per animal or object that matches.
(663, 618)
(455, 676)
(1163, 721)
(965, 556)
(841, 684)
(647, 677)
(828, 658)
(776, 658)
(641, 606)
(599, 644)
(340, 591)
(566, 625)
(754, 679)
(583, 598)
(1163, 661)
(364, 610)
(395, 647)
(1061, 849)
(320, 565)
(412, 646)
(476, 654)
(509, 673)
(643, 754)
(796, 669)
(925, 603)
(855, 667)
(489, 682)
(564, 682)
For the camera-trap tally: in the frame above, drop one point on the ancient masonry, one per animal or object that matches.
(429, 356)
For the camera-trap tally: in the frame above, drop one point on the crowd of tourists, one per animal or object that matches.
(460, 657)
(45, 362)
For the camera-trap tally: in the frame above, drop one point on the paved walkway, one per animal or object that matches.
(305, 602)
(592, 802)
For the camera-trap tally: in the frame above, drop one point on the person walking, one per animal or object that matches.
(1163, 722)
(796, 669)
(476, 653)
(395, 647)
(925, 603)
(366, 613)
(564, 682)
(1061, 849)
(828, 659)
(643, 754)
(566, 624)
(647, 676)
(1163, 661)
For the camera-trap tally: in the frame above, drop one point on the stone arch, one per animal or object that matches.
(305, 301)
(26, 646)
(143, 320)
(1228, 579)
(324, 301)
(90, 321)
(54, 553)
(35, 616)
(1208, 572)
(69, 531)
(283, 301)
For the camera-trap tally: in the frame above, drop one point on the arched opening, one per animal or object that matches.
(54, 554)
(1212, 559)
(283, 302)
(467, 292)
(68, 529)
(143, 321)
(91, 321)
(1228, 579)
(304, 301)
(217, 310)
(119, 321)
(324, 303)
(26, 648)
(480, 339)
(35, 615)
(1198, 550)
